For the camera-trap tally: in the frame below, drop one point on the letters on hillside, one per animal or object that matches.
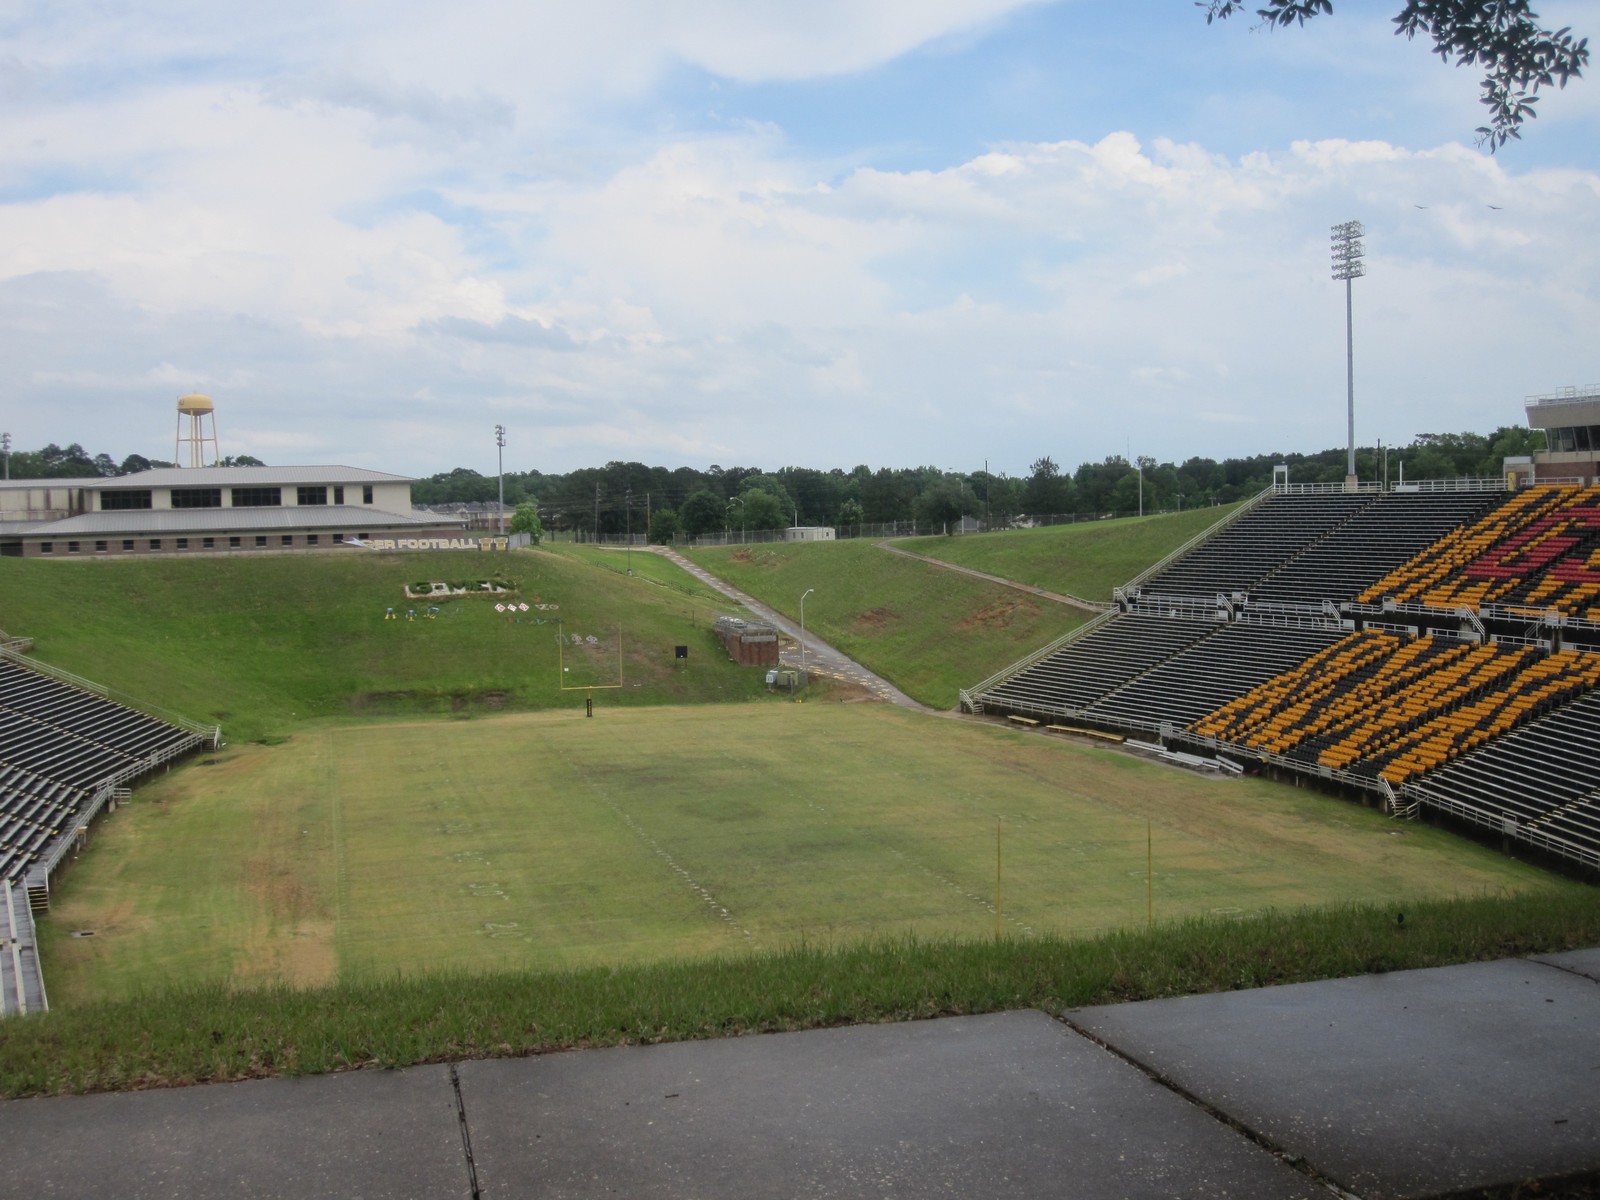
(460, 543)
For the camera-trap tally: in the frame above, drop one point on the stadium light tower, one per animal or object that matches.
(5, 444)
(500, 471)
(1347, 265)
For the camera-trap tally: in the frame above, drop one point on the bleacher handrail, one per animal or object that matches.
(209, 733)
(39, 871)
(1464, 483)
(1204, 535)
(1324, 489)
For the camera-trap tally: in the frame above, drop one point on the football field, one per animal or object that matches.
(362, 850)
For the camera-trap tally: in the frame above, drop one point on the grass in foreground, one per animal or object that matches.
(1085, 560)
(552, 841)
(195, 1035)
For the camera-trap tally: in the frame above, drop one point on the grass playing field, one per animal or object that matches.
(357, 851)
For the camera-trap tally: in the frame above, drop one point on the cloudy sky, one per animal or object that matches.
(808, 232)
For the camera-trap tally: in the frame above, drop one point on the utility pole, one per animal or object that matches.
(597, 514)
(1347, 266)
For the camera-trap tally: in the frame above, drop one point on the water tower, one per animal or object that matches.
(196, 410)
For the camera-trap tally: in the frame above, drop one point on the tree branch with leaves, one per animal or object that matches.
(1519, 56)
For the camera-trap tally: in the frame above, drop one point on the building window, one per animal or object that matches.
(366, 493)
(361, 537)
(47, 547)
(155, 543)
(311, 495)
(208, 543)
(261, 541)
(196, 497)
(127, 543)
(261, 497)
(183, 543)
(311, 539)
(286, 540)
(124, 498)
(99, 547)
(336, 538)
(233, 542)
(338, 495)
(72, 547)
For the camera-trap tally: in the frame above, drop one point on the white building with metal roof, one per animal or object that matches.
(175, 510)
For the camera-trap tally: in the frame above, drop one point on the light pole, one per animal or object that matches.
(803, 596)
(5, 445)
(1347, 265)
(627, 506)
(500, 471)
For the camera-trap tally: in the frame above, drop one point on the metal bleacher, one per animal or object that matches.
(1372, 542)
(1277, 637)
(1249, 548)
(66, 750)
(1539, 784)
(1233, 659)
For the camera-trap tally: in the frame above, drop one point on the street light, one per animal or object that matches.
(803, 596)
(1347, 266)
(500, 470)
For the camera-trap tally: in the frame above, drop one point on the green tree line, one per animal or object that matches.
(623, 497)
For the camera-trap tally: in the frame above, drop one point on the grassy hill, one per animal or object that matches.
(262, 643)
(1086, 560)
(929, 631)
(932, 632)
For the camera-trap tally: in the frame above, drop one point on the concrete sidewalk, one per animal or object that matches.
(1414, 1084)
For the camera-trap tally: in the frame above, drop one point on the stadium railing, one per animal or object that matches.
(211, 734)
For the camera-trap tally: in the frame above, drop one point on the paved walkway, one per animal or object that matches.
(819, 656)
(1079, 602)
(1413, 1084)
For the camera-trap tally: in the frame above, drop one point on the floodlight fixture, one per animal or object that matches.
(1347, 266)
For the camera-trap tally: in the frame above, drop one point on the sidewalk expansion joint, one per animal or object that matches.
(1293, 1161)
(466, 1133)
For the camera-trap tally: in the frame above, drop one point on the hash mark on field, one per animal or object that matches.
(985, 902)
(661, 852)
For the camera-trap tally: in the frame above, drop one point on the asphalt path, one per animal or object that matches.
(819, 657)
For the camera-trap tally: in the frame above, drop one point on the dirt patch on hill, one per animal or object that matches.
(999, 613)
(877, 618)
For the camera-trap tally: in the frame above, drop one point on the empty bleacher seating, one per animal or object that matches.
(1107, 657)
(58, 744)
(1377, 539)
(1232, 659)
(1255, 544)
